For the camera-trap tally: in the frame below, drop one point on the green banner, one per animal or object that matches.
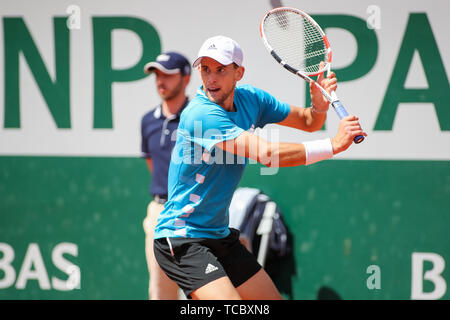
(71, 228)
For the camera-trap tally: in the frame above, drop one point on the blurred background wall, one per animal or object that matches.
(372, 223)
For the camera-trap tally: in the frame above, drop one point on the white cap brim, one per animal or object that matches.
(219, 58)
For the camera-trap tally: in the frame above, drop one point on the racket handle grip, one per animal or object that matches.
(342, 113)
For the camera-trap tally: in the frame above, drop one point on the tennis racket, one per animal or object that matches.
(298, 43)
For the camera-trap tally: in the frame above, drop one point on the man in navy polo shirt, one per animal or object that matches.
(158, 130)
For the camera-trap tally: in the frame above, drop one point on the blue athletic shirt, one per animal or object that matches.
(203, 178)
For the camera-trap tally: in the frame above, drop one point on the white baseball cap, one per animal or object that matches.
(222, 49)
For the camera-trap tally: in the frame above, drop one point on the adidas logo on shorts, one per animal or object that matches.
(210, 268)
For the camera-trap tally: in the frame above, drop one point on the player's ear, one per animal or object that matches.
(239, 73)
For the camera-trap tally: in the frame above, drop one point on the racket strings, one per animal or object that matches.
(296, 40)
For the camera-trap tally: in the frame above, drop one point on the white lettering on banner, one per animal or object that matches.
(74, 19)
(374, 280)
(418, 276)
(33, 260)
(73, 282)
(5, 265)
(33, 268)
(434, 275)
(374, 17)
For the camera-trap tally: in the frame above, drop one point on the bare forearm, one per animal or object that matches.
(304, 119)
(315, 120)
(283, 155)
(271, 154)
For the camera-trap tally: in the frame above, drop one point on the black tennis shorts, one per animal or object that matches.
(194, 262)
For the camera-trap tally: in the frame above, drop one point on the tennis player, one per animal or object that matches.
(193, 243)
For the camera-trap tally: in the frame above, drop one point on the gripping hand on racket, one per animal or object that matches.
(349, 128)
(318, 100)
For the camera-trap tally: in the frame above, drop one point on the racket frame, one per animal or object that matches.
(304, 75)
(332, 98)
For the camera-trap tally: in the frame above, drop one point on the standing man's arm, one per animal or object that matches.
(145, 149)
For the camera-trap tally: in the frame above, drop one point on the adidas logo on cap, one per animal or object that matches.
(211, 47)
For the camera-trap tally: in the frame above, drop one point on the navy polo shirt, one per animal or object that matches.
(159, 135)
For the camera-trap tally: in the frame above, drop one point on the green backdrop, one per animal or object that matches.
(343, 217)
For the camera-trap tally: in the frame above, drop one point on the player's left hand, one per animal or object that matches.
(329, 83)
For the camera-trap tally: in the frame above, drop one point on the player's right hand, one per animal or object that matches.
(349, 128)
